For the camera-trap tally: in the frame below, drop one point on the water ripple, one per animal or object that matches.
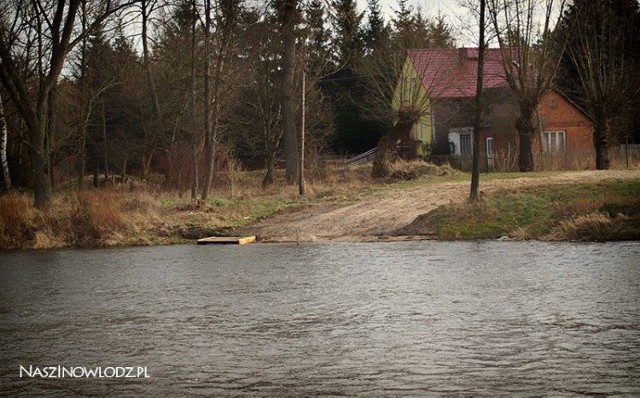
(393, 319)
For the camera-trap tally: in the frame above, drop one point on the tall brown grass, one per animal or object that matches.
(96, 217)
(594, 226)
(18, 219)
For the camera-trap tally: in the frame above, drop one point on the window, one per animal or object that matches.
(489, 146)
(465, 144)
(554, 141)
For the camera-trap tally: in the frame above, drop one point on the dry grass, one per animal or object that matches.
(97, 217)
(409, 170)
(141, 213)
(18, 219)
(590, 227)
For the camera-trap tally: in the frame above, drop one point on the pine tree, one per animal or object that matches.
(318, 39)
(376, 32)
(348, 37)
(440, 33)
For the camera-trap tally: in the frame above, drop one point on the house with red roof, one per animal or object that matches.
(443, 84)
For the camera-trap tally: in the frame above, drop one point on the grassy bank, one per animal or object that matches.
(120, 217)
(590, 212)
(143, 214)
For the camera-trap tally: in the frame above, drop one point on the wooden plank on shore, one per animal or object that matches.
(227, 240)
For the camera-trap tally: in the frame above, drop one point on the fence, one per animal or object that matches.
(620, 157)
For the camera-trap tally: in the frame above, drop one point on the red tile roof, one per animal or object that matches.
(452, 73)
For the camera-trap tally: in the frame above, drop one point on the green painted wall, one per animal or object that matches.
(410, 92)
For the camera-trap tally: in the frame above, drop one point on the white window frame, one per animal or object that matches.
(489, 145)
(554, 141)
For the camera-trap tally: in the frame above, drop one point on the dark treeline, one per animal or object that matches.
(185, 88)
(93, 90)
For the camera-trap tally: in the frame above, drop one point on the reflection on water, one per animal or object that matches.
(418, 318)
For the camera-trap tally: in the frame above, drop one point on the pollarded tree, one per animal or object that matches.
(522, 29)
(393, 93)
(602, 59)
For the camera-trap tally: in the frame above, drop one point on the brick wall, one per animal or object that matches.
(558, 114)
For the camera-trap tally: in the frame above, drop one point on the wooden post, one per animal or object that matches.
(301, 187)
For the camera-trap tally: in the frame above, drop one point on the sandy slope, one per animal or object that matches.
(388, 210)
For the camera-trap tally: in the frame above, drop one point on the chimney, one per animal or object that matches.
(465, 54)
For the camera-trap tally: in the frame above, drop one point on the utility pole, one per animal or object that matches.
(301, 187)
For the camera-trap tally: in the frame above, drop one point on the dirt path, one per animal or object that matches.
(388, 210)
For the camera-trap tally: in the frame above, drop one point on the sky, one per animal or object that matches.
(432, 6)
(452, 11)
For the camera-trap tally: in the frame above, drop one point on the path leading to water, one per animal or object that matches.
(388, 210)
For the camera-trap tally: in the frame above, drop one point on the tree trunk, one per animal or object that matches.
(477, 122)
(123, 170)
(50, 135)
(214, 123)
(194, 130)
(82, 150)
(147, 63)
(288, 108)
(41, 181)
(601, 139)
(301, 184)
(104, 143)
(387, 144)
(96, 175)
(82, 126)
(4, 165)
(381, 162)
(271, 166)
(526, 131)
(39, 154)
(208, 121)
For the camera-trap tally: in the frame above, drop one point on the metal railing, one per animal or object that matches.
(363, 157)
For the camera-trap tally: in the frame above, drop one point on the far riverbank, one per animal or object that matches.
(424, 202)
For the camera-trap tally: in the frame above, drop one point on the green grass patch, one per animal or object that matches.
(601, 211)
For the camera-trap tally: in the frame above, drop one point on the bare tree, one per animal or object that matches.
(475, 170)
(523, 28)
(602, 48)
(51, 27)
(227, 18)
(288, 13)
(395, 92)
(192, 103)
(147, 8)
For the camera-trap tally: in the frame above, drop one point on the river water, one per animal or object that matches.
(367, 319)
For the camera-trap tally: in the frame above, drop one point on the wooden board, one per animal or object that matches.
(227, 240)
